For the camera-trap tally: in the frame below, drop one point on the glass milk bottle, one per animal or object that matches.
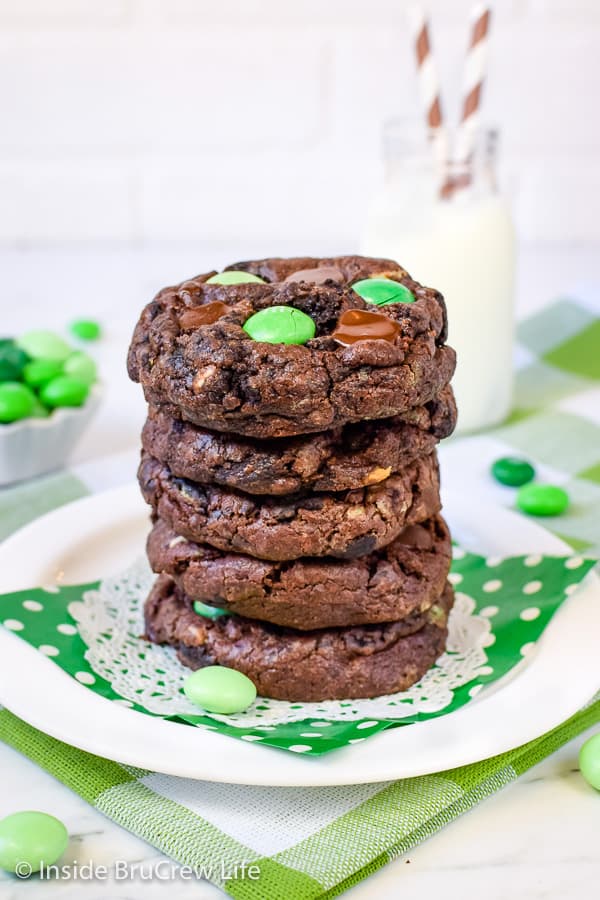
(460, 240)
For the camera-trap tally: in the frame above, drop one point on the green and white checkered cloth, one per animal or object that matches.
(317, 842)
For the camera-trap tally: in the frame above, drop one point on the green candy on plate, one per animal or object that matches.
(234, 277)
(383, 291)
(44, 345)
(81, 366)
(17, 401)
(219, 689)
(30, 840)
(542, 500)
(512, 471)
(86, 329)
(64, 391)
(280, 325)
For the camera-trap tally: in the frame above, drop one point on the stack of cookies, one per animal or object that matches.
(289, 458)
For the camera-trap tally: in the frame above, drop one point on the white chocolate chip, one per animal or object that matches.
(202, 377)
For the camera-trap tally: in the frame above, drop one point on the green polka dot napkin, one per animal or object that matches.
(312, 843)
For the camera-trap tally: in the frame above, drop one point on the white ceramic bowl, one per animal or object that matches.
(32, 447)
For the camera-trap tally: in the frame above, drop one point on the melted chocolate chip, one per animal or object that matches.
(202, 315)
(360, 325)
(317, 276)
(416, 536)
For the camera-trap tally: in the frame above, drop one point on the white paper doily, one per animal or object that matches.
(110, 621)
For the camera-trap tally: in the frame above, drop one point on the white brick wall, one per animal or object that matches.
(219, 119)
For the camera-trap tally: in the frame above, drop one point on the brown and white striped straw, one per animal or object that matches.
(474, 74)
(429, 84)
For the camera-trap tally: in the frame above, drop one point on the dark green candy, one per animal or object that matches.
(209, 612)
(12, 361)
(280, 325)
(512, 471)
(382, 291)
(542, 500)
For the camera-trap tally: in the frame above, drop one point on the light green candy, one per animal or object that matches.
(209, 612)
(64, 391)
(220, 690)
(44, 345)
(382, 291)
(280, 325)
(81, 366)
(39, 372)
(17, 401)
(589, 761)
(234, 277)
(30, 840)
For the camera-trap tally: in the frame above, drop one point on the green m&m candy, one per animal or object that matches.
(86, 329)
(220, 690)
(17, 401)
(12, 361)
(512, 471)
(234, 277)
(209, 612)
(30, 840)
(81, 366)
(280, 325)
(382, 291)
(39, 372)
(64, 391)
(44, 345)
(589, 761)
(542, 500)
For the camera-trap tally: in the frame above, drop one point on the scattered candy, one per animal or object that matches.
(81, 366)
(280, 325)
(220, 690)
(589, 761)
(382, 291)
(44, 345)
(512, 471)
(39, 372)
(202, 315)
(234, 277)
(17, 401)
(359, 325)
(86, 329)
(12, 361)
(542, 500)
(64, 391)
(30, 840)
(209, 612)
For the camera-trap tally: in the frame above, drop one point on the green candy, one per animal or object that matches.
(17, 401)
(81, 366)
(30, 840)
(39, 372)
(220, 690)
(64, 391)
(382, 291)
(209, 612)
(86, 329)
(542, 500)
(234, 277)
(512, 471)
(589, 761)
(12, 361)
(280, 325)
(44, 345)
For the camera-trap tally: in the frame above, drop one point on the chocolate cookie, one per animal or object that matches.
(346, 524)
(403, 578)
(336, 460)
(329, 664)
(202, 363)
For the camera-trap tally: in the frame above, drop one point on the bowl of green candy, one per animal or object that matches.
(49, 392)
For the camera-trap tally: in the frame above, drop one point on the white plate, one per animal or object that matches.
(101, 534)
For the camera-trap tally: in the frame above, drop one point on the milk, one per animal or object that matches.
(464, 247)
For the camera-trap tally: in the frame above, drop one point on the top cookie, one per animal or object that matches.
(202, 365)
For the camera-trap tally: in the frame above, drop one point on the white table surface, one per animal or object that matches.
(538, 838)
